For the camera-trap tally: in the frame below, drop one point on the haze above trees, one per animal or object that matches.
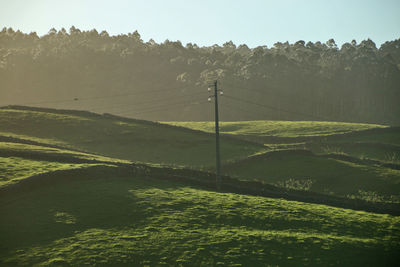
(356, 82)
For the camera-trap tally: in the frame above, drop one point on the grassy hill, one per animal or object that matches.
(59, 134)
(377, 144)
(69, 196)
(291, 129)
(347, 159)
(301, 169)
(109, 218)
(359, 140)
(19, 161)
(120, 138)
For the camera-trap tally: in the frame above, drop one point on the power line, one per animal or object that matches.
(142, 110)
(166, 105)
(235, 108)
(162, 108)
(279, 109)
(145, 109)
(130, 108)
(103, 97)
(279, 94)
(152, 101)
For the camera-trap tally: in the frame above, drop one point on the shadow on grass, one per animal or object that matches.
(50, 210)
(180, 226)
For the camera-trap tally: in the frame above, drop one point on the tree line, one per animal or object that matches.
(123, 74)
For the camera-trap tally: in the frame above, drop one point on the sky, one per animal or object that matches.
(208, 22)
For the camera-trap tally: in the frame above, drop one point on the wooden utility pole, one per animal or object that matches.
(218, 171)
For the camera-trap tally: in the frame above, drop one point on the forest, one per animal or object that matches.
(124, 75)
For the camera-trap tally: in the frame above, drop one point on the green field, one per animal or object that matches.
(14, 169)
(19, 161)
(290, 129)
(383, 145)
(69, 195)
(118, 138)
(352, 139)
(306, 171)
(358, 178)
(29, 150)
(118, 220)
(61, 135)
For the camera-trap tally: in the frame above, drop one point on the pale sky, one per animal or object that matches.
(208, 22)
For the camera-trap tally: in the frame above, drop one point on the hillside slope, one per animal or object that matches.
(121, 138)
(19, 161)
(65, 201)
(334, 175)
(109, 218)
(348, 159)
(114, 139)
(291, 129)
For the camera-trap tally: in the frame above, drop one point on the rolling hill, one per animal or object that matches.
(303, 170)
(107, 138)
(75, 190)
(347, 159)
(117, 137)
(290, 129)
(107, 217)
(372, 141)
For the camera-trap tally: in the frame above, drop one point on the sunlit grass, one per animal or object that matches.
(21, 161)
(109, 218)
(148, 222)
(384, 152)
(128, 140)
(35, 150)
(382, 146)
(14, 169)
(28, 138)
(279, 128)
(331, 176)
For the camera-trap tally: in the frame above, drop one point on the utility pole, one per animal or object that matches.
(218, 161)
